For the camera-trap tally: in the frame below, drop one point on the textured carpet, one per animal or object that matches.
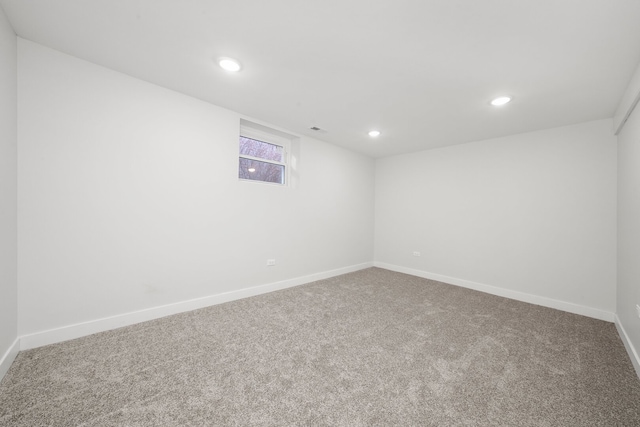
(369, 348)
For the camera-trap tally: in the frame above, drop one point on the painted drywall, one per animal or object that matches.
(531, 214)
(628, 290)
(628, 102)
(129, 199)
(8, 192)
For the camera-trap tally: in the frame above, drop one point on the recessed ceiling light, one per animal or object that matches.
(229, 64)
(501, 100)
(251, 170)
(374, 133)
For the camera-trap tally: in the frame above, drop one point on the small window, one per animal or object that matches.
(262, 156)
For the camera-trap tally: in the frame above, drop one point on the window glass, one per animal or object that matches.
(261, 149)
(257, 170)
(263, 154)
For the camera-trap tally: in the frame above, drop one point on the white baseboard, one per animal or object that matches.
(78, 330)
(507, 293)
(633, 354)
(8, 357)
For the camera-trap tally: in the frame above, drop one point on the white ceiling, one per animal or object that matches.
(421, 71)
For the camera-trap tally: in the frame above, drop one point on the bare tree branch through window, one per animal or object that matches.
(261, 161)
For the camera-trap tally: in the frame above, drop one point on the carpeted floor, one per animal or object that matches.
(368, 348)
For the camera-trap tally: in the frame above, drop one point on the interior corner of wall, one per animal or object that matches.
(628, 102)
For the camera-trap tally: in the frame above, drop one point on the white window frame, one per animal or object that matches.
(269, 138)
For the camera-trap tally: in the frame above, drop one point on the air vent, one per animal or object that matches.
(317, 129)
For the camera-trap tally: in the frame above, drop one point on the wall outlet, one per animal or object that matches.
(638, 309)
(416, 253)
(271, 262)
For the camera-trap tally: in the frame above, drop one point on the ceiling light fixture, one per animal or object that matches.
(501, 100)
(251, 170)
(229, 64)
(374, 133)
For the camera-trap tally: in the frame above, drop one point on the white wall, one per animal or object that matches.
(628, 291)
(129, 199)
(532, 215)
(8, 193)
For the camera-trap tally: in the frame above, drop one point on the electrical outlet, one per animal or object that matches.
(416, 253)
(271, 262)
(638, 309)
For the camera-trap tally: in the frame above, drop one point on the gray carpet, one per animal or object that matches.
(369, 348)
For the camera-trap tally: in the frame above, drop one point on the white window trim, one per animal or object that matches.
(270, 138)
